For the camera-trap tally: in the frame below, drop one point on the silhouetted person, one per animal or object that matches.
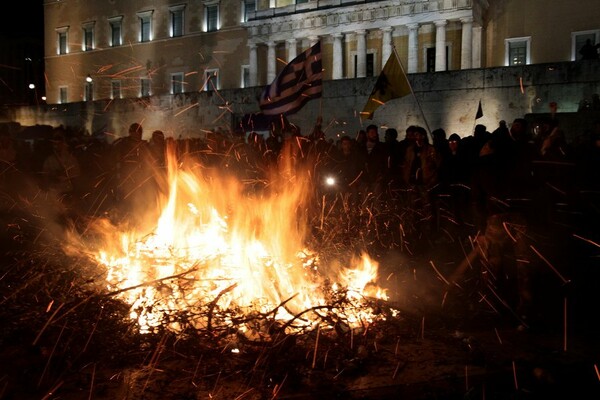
(376, 171)
(350, 169)
(157, 146)
(589, 51)
(395, 159)
(420, 173)
(454, 178)
(133, 171)
(61, 169)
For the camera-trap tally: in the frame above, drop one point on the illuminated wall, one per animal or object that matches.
(448, 100)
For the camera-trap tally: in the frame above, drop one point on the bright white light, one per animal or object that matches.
(31, 86)
(330, 181)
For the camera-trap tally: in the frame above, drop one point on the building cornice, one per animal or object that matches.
(284, 23)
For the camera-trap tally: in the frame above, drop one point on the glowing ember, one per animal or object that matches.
(219, 256)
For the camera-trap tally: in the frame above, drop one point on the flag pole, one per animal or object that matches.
(479, 107)
(412, 91)
(477, 116)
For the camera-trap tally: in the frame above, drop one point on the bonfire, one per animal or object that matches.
(212, 255)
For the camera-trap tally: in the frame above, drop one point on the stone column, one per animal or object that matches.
(413, 47)
(305, 44)
(253, 67)
(466, 45)
(386, 46)
(291, 48)
(476, 49)
(361, 53)
(337, 70)
(349, 69)
(271, 62)
(440, 45)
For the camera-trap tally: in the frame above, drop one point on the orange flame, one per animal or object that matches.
(217, 246)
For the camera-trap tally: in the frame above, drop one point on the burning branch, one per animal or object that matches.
(213, 304)
(152, 282)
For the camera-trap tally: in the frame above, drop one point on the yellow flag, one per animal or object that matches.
(392, 83)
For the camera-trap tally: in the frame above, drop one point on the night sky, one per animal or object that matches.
(22, 52)
(25, 19)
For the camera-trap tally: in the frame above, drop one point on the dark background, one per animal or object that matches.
(25, 18)
(22, 53)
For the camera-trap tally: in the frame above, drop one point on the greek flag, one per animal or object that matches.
(298, 82)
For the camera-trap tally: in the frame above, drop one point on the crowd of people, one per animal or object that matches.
(465, 178)
(490, 185)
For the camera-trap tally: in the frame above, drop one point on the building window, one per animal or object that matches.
(62, 95)
(211, 17)
(430, 59)
(145, 26)
(145, 87)
(88, 92)
(578, 39)
(211, 79)
(145, 29)
(116, 24)
(88, 37)
(248, 6)
(177, 83)
(177, 20)
(517, 51)
(370, 64)
(245, 76)
(115, 89)
(63, 43)
(370, 67)
(430, 55)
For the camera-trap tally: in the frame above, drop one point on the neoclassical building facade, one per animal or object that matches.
(131, 48)
(119, 49)
(182, 55)
(357, 39)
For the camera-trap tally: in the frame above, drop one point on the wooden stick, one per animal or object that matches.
(322, 212)
(51, 355)
(277, 388)
(47, 323)
(316, 347)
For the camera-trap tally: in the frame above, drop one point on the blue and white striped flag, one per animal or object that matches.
(298, 82)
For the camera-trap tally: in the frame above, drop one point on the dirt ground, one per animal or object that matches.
(451, 338)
